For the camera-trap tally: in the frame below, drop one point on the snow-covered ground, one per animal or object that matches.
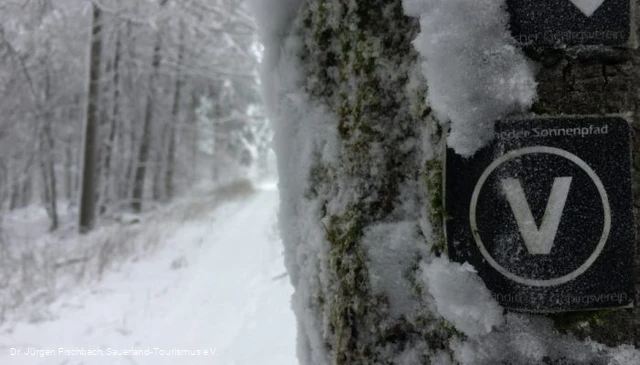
(215, 294)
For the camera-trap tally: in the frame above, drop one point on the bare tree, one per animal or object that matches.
(145, 144)
(87, 212)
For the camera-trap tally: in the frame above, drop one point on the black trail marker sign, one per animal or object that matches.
(545, 213)
(570, 22)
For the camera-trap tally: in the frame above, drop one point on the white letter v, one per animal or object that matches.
(538, 241)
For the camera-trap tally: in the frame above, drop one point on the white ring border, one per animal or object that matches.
(603, 196)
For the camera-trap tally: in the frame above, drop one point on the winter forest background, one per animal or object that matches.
(175, 102)
(132, 146)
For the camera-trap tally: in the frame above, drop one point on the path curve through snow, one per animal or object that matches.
(225, 295)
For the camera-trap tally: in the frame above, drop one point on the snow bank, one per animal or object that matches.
(39, 266)
(390, 248)
(528, 339)
(475, 72)
(624, 355)
(214, 286)
(461, 297)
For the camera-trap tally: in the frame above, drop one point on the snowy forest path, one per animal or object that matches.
(212, 289)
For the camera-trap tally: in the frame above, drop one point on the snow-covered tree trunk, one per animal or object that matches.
(360, 152)
(355, 174)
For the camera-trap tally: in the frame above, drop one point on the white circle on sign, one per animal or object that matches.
(605, 206)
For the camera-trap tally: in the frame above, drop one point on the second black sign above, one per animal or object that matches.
(570, 22)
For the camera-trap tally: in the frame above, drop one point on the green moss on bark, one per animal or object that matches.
(434, 180)
(351, 305)
(356, 60)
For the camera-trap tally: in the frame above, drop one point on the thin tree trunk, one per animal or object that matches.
(4, 184)
(77, 158)
(175, 116)
(26, 190)
(126, 136)
(47, 161)
(194, 137)
(159, 164)
(113, 126)
(145, 143)
(14, 192)
(89, 176)
(68, 174)
(49, 176)
(126, 161)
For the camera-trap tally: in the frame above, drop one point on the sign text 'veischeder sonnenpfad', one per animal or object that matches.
(545, 213)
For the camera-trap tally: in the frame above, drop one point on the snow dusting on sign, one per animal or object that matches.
(474, 70)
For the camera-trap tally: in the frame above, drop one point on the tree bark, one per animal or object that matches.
(89, 173)
(175, 116)
(5, 178)
(68, 171)
(145, 143)
(353, 59)
(126, 137)
(14, 193)
(114, 120)
(26, 190)
(193, 137)
(49, 175)
(47, 161)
